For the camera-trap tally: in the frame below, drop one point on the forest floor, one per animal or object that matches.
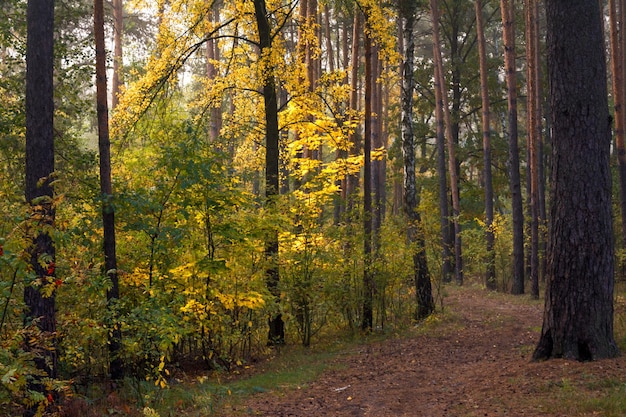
(472, 360)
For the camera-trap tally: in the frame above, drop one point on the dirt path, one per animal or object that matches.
(477, 364)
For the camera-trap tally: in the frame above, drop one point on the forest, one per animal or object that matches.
(196, 183)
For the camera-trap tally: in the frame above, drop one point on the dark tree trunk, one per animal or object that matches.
(443, 112)
(490, 272)
(578, 315)
(276, 334)
(106, 192)
(534, 131)
(508, 34)
(423, 289)
(368, 278)
(40, 308)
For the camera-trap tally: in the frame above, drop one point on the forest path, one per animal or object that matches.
(474, 362)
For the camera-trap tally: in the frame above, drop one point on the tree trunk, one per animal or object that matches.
(490, 273)
(534, 131)
(368, 279)
(118, 31)
(578, 315)
(212, 56)
(106, 192)
(352, 182)
(444, 112)
(276, 334)
(423, 289)
(617, 62)
(40, 308)
(508, 33)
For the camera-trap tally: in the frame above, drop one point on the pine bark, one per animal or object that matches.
(508, 33)
(578, 314)
(534, 131)
(490, 272)
(617, 71)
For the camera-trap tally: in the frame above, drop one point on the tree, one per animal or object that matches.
(276, 333)
(507, 8)
(367, 319)
(118, 30)
(617, 27)
(423, 290)
(106, 193)
(490, 276)
(578, 315)
(39, 293)
(443, 114)
(534, 131)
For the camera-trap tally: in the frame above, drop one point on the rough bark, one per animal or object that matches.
(106, 191)
(423, 289)
(578, 315)
(508, 33)
(490, 271)
(40, 308)
(276, 334)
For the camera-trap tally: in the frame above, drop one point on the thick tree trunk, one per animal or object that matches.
(40, 308)
(444, 112)
(106, 192)
(276, 334)
(423, 289)
(490, 272)
(508, 33)
(578, 315)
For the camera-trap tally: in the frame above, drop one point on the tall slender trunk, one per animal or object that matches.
(276, 334)
(118, 31)
(444, 111)
(508, 33)
(617, 62)
(534, 131)
(368, 278)
(423, 289)
(106, 191)
(490, 272)
(212, 56)
(352, 182)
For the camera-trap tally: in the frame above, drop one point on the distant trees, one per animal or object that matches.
(578, 316)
